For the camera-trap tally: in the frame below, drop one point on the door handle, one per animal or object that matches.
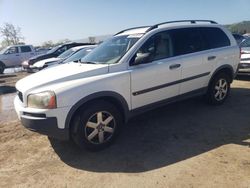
(211, 58)
(174, 66)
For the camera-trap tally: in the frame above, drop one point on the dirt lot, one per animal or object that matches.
(187, 144)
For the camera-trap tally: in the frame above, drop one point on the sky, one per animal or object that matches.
(43, 20)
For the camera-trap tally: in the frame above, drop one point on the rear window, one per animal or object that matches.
(215, 37)
(25, 49)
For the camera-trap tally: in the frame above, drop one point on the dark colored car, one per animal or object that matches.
(54, 52)
(239, 38)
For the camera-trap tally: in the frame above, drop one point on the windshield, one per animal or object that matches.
(67, 53)
(3, 50)
(245, 43)
(112, 50)
(78, 55)
(53, 49)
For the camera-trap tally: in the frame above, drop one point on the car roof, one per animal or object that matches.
(145, 29)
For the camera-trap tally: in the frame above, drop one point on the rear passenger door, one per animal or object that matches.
(189, 46)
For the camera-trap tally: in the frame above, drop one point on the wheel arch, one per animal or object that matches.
(113, 97)
(228, 69)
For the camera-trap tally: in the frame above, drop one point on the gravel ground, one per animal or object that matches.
(186, 144)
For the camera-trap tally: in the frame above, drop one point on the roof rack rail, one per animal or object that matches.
(178, 21)
(131, 29)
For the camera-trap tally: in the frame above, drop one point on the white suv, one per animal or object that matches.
(136, 70)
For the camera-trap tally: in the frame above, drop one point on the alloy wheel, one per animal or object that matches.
(221, 89)
(100, 127)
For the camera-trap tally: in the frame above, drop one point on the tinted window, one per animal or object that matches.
(61, 50)
(158, 46)
(187, 40)
(25, 49)
(215, 37)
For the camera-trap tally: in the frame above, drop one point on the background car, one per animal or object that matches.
(54, 52)
(244, 66)
(245, 46)
(14, 55)
(72, 55)
(239, 38)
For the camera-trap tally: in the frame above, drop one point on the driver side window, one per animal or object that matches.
(155, 48)
(12, 50)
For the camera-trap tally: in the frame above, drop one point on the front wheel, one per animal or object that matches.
(96, 125)
(218, 89)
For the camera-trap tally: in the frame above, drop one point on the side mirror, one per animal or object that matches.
(141, 58)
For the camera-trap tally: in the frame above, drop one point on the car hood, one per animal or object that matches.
(43, 62)
(57, 74)
(40, 57)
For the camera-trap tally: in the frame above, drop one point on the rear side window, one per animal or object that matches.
(25, 49)
(215, 37)
(187, 40)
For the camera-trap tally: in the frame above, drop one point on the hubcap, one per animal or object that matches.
(100, 127)
(221, 89)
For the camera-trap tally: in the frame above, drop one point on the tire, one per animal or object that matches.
(2, 67)
(96, 125)
(218, 89)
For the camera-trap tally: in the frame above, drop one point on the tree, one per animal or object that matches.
(48, 44)
(11, 34)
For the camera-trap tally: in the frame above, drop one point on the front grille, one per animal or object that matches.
(20, 95)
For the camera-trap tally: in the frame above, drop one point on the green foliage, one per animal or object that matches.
(241, 27)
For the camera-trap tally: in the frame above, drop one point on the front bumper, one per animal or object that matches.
(47, 122)
(47, 126)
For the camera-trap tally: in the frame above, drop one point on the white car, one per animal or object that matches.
(60, 59)
(244, 66)
(245, 46)
(136, 70)
(13, 56)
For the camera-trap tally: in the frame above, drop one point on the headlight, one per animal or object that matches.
(25, 63)
(44, 100)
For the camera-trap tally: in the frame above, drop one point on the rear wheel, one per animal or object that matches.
(96, 125)
(219, 89)
(2, 67)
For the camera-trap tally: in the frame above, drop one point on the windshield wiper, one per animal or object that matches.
(88, 62)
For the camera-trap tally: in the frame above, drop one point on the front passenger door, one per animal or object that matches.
(155, 72)
(12, 57)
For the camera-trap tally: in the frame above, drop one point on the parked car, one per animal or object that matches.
(63, 58)
(42, 50)
(136, 70)
(54, 52)
(239, 38)
(244, 66)
(14, 55)
(245, 46)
